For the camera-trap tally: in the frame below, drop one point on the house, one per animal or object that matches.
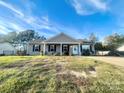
(7, 49)
(61, 44)
(121, 48)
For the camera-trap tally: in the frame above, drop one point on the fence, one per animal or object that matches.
(7, 52)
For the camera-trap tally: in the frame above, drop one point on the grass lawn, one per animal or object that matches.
(42, 74)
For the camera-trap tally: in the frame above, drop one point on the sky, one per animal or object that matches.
(77, 18)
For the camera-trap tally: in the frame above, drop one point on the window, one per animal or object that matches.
(65, 47)
(51, 48)
(36, 48)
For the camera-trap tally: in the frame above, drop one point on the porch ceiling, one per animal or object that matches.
(58, 43)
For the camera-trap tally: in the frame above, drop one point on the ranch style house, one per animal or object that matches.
(59, 45)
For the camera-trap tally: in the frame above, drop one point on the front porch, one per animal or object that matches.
(62, 49)
(61, 44)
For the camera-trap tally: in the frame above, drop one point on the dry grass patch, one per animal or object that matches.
(59, 75)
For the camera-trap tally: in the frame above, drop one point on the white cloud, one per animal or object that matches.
(88, 7)
(9, 26)
(68, 30)
(99, 4)
(30, 21)
(38, 23)
(9, 6)
(16, 27)
(35, 22)
(4, 30)
(45, 18)
(44, 23)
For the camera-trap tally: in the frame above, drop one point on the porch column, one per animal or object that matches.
(79, 49)
(61, 49)
(93, 48)
(44, 49)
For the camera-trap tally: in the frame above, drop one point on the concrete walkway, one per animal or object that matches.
(119, 61)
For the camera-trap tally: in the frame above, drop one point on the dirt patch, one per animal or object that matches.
(77, 78)
(36, 60)
(90, 71)
(17, 64)
(14, 65)
(74, 77)
(58, 68)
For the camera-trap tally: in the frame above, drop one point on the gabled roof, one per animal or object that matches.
(62, 38)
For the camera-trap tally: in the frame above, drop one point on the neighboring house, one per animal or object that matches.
(121, 48)
(61, 44)
(7, 49)
(102, 53)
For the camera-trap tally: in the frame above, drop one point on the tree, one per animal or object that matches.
(10, 37)
(28, 35)
(114, 41)
(98, 46)
(92, 38)
(1, 38)
(21, 39)
(25, 36)
(43, 38)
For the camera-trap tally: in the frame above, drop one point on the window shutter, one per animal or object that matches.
(62, 48)
(55, 48)
(81, 48)
(33, 48)
(90, 47)
(68, 48)
(49, 48)
(39, 47)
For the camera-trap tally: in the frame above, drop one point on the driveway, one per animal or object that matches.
(119, 61)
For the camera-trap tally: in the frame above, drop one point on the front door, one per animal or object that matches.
(75, 50)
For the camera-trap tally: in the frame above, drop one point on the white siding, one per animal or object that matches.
(58, 48)
(7, 49)
(31, 52)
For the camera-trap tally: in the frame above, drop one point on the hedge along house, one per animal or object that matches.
(61, 44)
